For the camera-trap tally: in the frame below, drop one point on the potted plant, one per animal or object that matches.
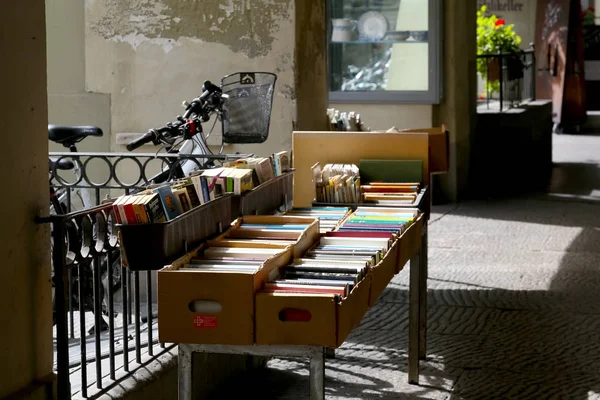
(588, 16)
(495, 37)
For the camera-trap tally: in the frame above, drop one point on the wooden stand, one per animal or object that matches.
(417, 337)
(349, 147)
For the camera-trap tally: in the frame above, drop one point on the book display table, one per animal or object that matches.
(316, 354)
(266, 330)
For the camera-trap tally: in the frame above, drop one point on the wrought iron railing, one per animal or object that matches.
(87, 272)
(509, 78)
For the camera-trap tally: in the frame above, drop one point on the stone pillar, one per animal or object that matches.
(312, 95)
(25, 290)
(458, 107)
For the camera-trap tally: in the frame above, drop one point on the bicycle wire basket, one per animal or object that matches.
(247, 111)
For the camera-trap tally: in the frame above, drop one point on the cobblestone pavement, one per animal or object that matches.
(514, 306)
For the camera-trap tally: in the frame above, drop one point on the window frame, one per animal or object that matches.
(431, 96)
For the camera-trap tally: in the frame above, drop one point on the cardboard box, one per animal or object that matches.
(227, 319)
(409, 242)
(438, 148)
(305, 240)
(329, 324)
(383, 272)
(326, 147)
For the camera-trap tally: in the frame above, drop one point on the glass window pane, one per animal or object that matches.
(379, 45)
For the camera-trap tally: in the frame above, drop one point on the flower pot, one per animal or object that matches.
(493, 70)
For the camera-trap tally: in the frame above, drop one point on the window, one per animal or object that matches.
(384, 51)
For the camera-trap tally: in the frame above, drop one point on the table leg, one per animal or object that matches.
(329, 352)
(413, 320)
(184, 372)
(317, 374)
(423, 273)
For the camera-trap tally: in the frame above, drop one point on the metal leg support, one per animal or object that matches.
(423, 273)
(316, 354)
(414, 320)
(185, 372)
(317, 374)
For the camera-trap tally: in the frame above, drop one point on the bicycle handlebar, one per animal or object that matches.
(142, 140)
(201, 106)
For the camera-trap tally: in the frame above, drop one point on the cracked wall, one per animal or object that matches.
(151, 55)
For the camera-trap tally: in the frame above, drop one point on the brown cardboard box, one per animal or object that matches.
(325, 147)
(409, 242)
(383, 273)
(330, 322)
(305, 239)
(438, 148)
(232, 292)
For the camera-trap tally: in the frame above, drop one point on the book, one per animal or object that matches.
(183, 199)
(242, 181)
(302, 281)
(168, 201)
(223, 261)
(240, 252)
(190, 189)
(383, 235)
(281, 160)
(391, 170)
(153, 208)
(221, 268)
(264, 170)
(376, 242)
(273, 287)
(289, 274)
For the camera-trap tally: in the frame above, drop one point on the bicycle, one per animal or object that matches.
(61, 203)
(243, 104)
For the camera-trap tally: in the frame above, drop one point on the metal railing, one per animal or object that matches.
(510, 78)
(87, 272)
(591, 41)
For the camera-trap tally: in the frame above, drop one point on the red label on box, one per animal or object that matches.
(205, 321)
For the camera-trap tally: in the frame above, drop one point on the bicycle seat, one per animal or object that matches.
(69, 135)
(62, 164)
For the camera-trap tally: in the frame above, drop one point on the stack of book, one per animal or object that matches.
(391, 194)
(246, 247)
(283, 231)
(336, 183)
(329, 217)
(165, 202)
(265, 168)
(334, 266)
(345, 121)
(237, 259)
(389, 222)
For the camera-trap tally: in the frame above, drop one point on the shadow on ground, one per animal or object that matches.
(513, 313)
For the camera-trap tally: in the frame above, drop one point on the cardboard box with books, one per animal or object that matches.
(317, 319)
(410, 241)
(301, 232)
(207, 296)
(324, 292)
(329, 217)
(396, 225)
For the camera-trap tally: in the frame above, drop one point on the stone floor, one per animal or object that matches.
(514, 304)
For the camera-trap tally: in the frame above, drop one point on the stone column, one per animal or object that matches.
(25, 290)
(458, 107)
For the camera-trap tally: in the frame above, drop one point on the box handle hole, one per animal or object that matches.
(205, 307)
(294, 315)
